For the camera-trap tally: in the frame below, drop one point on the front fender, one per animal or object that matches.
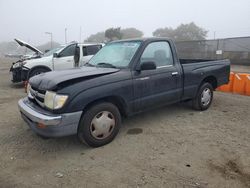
(44, 61)
(84, 98)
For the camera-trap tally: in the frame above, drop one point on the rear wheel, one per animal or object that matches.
(99, 125)
(204, 97)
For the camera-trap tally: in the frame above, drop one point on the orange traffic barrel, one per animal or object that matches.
(244, 79)
(228, 87)
(247, 89)
(243, 76)
(239, 84)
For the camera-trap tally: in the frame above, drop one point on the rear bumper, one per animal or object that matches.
(48, 124)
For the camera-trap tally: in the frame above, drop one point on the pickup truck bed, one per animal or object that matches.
(215, 71)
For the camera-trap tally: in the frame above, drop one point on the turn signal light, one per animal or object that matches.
(41, 126)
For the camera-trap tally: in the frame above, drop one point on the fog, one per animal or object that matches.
(29, 19)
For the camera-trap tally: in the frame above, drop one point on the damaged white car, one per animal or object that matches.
(64, 57)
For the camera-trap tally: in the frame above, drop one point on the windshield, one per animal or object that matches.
(49, 53)
(118, 54)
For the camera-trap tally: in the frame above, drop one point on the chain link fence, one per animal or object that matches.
(235, 49)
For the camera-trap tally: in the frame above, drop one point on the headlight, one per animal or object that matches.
(54, 101)
(16, 65)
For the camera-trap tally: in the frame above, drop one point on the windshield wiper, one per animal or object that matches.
(106, 65)
(88, 64)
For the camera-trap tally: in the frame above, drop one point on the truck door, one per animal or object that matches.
(65, 59)
(161, 85)
(88, 52)
(77, 57)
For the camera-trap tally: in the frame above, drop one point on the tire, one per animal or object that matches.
(99, 124)
(204, 97)
(37, 71)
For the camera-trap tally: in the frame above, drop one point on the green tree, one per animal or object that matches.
(131, 33)
(98, 37)
(113, 33)
(164, 32)
(183, 32)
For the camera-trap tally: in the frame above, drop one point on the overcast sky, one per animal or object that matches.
(29, 19)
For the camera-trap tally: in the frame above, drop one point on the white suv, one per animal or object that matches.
(64, 57)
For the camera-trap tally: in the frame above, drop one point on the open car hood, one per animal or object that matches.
(34, 49)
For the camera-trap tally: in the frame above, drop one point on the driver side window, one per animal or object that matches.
(158, 52)
(68, 51)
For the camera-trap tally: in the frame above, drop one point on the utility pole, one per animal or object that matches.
(51, 38)
(214, 35)
(65, 35)
(80, 35)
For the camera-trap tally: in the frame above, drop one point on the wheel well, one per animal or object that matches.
(38, 67)
(212, 80)
(117, 101)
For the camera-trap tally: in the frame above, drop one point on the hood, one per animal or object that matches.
(32, 48)
(37, 61)
(50, 80)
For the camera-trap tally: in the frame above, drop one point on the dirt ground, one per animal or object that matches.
(169, 147)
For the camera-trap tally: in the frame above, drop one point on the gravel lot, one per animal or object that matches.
(169, 147)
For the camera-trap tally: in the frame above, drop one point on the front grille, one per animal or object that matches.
(37, 95)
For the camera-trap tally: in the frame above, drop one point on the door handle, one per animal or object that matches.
(68, 60)
(174, 73)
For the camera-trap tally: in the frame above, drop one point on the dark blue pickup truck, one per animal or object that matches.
(123, 78)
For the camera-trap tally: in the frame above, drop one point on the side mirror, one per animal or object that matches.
(55, 55)
(149, 65)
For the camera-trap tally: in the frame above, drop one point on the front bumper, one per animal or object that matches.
(53, 125)
(19, 74)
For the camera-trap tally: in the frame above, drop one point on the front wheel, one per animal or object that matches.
(204, 97)
(99, 125)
